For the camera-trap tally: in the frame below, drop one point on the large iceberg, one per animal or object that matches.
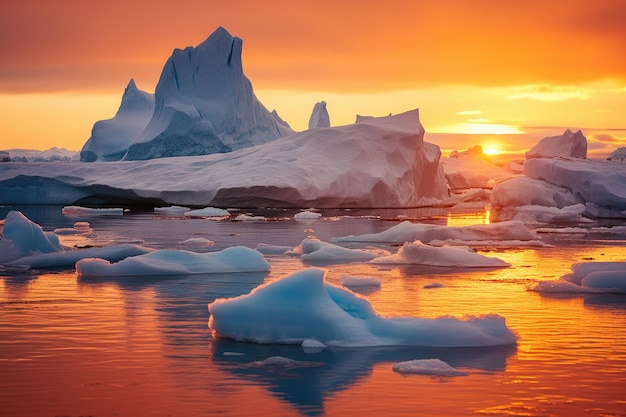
(302, 308)
(205, 104)
(319, 116)
(377, 162)
(567, 145)
(111, 138)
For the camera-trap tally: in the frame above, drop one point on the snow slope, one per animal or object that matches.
(377, 162)
(205, 104)
(111, 138)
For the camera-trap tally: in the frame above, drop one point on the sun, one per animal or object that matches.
(491, 149)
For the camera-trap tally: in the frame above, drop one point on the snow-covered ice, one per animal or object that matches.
(354, 281)
(377, 162)
(302, 306)
(55, 154)
(567, 145)
(418, 253)
(307, 215)
(174, 262)
(618, 154)
(197, 241)
(314, 250)
(434, 367)
(268, 249)
(207, 212)
(409, 232)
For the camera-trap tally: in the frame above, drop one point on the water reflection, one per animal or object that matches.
(308, 388)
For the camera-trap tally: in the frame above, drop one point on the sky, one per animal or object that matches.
(489, 72)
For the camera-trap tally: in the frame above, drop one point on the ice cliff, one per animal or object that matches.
(204, 104)
(319, 116)
(376, 162)
(111, 138)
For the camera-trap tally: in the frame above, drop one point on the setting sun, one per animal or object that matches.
(491, 149)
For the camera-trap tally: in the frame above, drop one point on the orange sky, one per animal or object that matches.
(470, 66)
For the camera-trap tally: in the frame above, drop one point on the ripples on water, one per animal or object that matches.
(137, 346)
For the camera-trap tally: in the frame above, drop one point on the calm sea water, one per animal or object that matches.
(141, 346)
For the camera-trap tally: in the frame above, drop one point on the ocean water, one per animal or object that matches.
(140, 346)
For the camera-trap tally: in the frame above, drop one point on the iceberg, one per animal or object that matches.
(377, 162)
(618, 154)
(567, 145)
(589, 278)
(314, 251)
(319, 116)
(205, 104)
(53, 154)
(434, 367)
(111, 138)
(177, 262)
(303, 307)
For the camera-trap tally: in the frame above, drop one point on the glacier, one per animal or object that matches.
(110, 139)
(376, 162)
(205, 104)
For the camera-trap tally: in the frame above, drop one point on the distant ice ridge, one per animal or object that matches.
(50, 155)
(302, 307)
(204, 104)
(567, 145)
(377, 162)
(111, 138)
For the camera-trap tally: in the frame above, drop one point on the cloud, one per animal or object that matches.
(469, 112)
(546, 92)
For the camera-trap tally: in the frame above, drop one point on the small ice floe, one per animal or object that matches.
(418, 253)
(173, 262)
(86, 211)
(312, 345)
(172, 210)
(280, 362)
(80, 228)
(268, 249)
(249, 218)
(433, 285)
(589, 278)
(207, 212)
(307, 215)
(433, 367)
(359, 281)
(197, 241)
(314, 250)
(304, 307)
(410, 232)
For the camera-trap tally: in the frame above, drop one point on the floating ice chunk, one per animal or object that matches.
(282, 363)
(409, 232)
(434, 367)
(589, 277)
(352, 281)
(249, 218)
(197, 241)
(534, 214)
(23, 237)
(312, 344)
(87, 211)
(207, 212)
(314, 250)
(421, 254)
(307, 215)
(172, 262)
(172, 210)
(68, 258)
(268, 249)
(301, 306)
(80, 228)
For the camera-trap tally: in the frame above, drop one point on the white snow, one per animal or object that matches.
(205, 104)
(173, 262)
(434, 367)
(589, 277)
(567, 145)
(111, 138)
(302, 306)
(419, 253)
(319, 116)
(377, 162)
(25, 244)
(355, 281)
(410, 232)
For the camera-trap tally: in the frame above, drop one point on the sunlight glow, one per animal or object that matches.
(491, 149)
